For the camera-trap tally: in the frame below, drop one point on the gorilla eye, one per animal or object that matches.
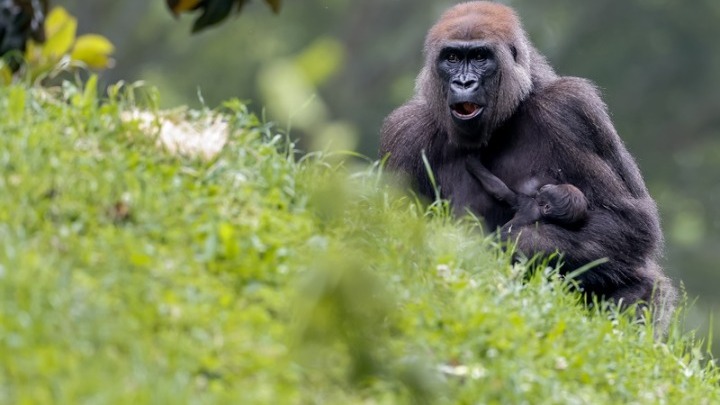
(453, 58)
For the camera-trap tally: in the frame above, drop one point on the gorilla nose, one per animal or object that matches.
(465, 83)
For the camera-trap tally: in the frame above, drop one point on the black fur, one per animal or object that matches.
(562, 204)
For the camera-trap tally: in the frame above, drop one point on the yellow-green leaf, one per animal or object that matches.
(60, 28)
(5, 74)
(90, 92)
(94, 51)
(16, 104)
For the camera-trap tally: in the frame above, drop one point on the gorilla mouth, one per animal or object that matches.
(466, 111)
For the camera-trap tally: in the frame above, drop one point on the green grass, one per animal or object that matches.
(131, 275)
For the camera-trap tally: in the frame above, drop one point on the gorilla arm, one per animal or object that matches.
(406, 133)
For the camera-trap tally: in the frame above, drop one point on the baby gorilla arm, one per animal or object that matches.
(526, 208)
(563, 204)
(492, 184)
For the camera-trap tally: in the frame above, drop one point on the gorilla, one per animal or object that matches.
(486, 95)
(563, 204)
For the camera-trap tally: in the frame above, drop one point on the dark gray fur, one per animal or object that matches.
(542, 129)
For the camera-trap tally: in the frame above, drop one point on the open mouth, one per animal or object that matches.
(466, 111)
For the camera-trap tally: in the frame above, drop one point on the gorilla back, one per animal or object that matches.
(486, 93)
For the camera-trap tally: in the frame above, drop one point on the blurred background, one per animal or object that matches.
(330, 70)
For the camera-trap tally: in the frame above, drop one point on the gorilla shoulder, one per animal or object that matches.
(406, 132)
(574, 105)
(570, 92)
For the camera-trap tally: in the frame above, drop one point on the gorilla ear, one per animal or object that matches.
(513, 50)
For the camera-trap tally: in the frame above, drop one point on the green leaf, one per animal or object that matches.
(90, 92)
(16, 104)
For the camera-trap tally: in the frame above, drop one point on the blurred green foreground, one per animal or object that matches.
(130, 274)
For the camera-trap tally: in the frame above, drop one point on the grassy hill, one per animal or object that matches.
(136, 273)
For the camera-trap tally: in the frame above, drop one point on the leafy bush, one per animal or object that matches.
(130, 274)
(61, 50)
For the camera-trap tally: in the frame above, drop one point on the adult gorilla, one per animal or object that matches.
(486, 94)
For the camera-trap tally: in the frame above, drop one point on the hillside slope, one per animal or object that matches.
(130, 274)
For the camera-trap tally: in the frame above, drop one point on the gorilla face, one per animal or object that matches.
(466, 69)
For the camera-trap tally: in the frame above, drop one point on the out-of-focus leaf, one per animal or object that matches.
(240, 4)
(62, 44)
(5, 74)
(60, 27)
(214, 11)
(20, 20)
(274, 5)
(179, 6)
(321, 60)
(37, 24)
(94, 51)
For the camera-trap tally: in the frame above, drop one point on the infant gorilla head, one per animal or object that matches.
(562, 204)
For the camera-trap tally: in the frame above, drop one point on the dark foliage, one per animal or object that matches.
(212, 11)
(21, 20)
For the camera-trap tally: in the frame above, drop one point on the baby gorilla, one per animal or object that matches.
(561, 204)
